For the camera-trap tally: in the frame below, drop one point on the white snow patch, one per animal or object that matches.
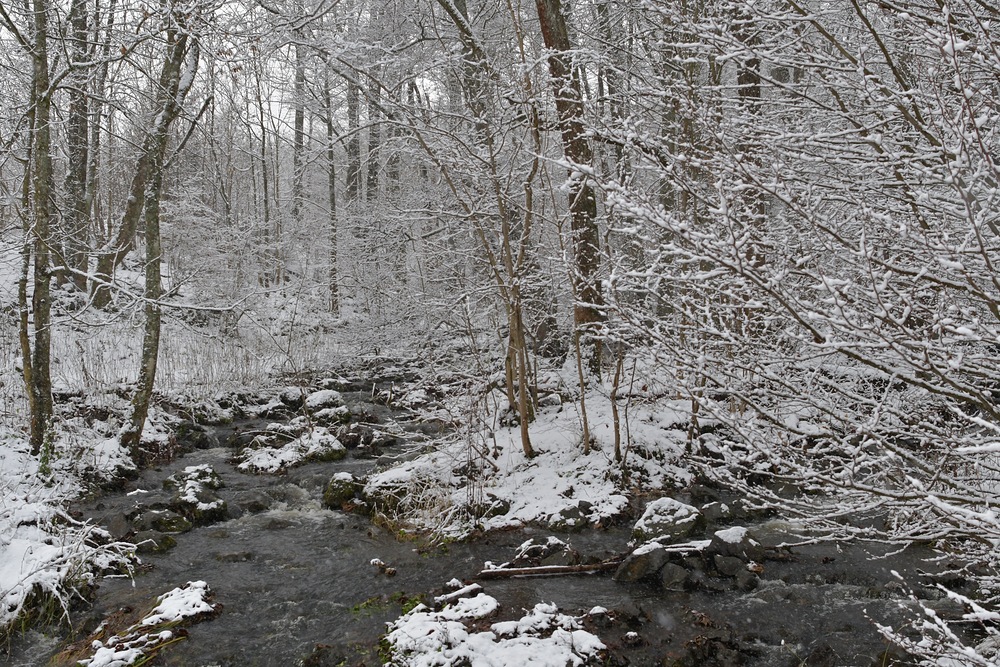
(542, 638)
(430, 491)
(134, 644)
(316, 443)
(324, 398)
(43, 549)
(733, 535)
(665, 512)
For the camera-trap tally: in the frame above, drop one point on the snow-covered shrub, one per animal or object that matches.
(45, 555)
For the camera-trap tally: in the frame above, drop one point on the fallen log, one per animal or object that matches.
(549, 570)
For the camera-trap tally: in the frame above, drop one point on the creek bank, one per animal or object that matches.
(297, 577)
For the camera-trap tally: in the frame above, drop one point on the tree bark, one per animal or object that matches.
(331, 163)
(170, 95)
(509, 265)
(40, 385)
(549, 570)
(353, 184)
(585, 241)
(374, 139)
(77, 210)
(298, 134)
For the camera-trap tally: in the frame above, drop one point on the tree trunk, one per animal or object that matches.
(77, 210)
(298, 135)
(96, 111)
(585, 242)
(266, 270)
(170, 95)
(353, 185)
(331, 162)
(509, 266)
(40, 386)
(374, 139)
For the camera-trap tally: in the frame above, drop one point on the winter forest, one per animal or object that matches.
(685, 311)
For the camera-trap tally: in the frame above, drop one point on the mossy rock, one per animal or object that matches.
(340, 490)
(209, 509)
(163, 521)
(331, 454)
(153, 542)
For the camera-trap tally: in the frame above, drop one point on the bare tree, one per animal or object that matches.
(176, 78)
(585, 236)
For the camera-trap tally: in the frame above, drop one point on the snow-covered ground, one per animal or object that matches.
(45, 555)
(560, 486)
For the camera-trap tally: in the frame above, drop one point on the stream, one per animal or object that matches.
(298, 588)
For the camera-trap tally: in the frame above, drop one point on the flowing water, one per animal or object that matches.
(297, 585)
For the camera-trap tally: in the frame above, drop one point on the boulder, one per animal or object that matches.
(190, 435)
(645, 561)
(324, 399)
(321, 445)
(153, 542)
(332, 416)
(571, 518)
(674, 577)
(202, 475)
(196, 498)
(340, 490)
(293, 397)
(205, 508)
(163, 521)
(667, 519)
(746, 580)
(729, 566)
(355, 435)
(715, 512)
(736, 542)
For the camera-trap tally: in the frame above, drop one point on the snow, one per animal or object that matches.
(109, 457)
(558, 479)
(733, 535)
(665, 512)
(192, 480)
(324, 398)
(135, 644)
(315, 443)
(542, 638)
(180, 603)
(43, 549)
(462, 592)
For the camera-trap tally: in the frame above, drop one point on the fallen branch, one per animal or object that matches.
(549, 570)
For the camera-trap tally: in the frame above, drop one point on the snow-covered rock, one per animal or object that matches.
(542, 638)
(196, 498)
(341, 489)
(667, 519)
(644, 562)
(736, 542)
(317, 444)
(324, 399)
